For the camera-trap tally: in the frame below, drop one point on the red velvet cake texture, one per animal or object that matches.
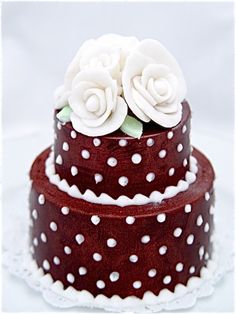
(123, 251)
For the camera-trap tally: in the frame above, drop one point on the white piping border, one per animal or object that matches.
(105, 199)
(85, 298)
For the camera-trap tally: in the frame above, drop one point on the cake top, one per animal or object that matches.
(116, 82)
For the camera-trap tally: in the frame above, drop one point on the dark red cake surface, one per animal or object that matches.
(126, 251)
(118, 165)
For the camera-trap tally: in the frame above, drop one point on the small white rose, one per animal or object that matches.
(97, 109)
(153, 84)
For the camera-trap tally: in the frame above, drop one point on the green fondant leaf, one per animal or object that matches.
(132, 127)
(64, 114)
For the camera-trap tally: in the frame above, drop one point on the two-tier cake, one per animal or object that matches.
(121, 204)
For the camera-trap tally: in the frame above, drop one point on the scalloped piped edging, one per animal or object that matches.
(105, 199)
(86, 299)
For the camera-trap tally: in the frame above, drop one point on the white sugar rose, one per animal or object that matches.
(153, 84)
(97, 108)
(108, 52)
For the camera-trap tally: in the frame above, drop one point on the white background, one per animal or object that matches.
(40, 39)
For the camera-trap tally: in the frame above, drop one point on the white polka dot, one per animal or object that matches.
(79, 238)
(35, 242)
(56, 260)
(97, 257)
(177, 232)
(123, 143)
(85, 154)
(207, 256)
(170, 135)
(137, 284)
(179, 267)
(41, 199)
(150, 142)
(171, 171)
(163, 250)
(206, 227)
(53, 226)
(162, 153)
(188, 208)
(74, 170)
(111, 242)
(35, 214)
(73, 134)
(191, 269)
(98, 178)
(184, 129)
(161, 217)
(123, 181)
(133, 258)
(65, 210)
(67, 250)
(130, 220)
(65, 146)
(167, 280)
(207, 196)
(201, 251)
(152, 272)
(185, 162)
(112, 162)
(96, 142)
(82, 271)
(59, 160)
(70, 278)
(211, 210)
(46, 265)
(114, 276)
(100, 284)
(136, 158)
(43, 237)
(150, 176)
(199, 220)
(179, 148)
(95, 219)
(145, 239)
(190, 239)
(59, 125)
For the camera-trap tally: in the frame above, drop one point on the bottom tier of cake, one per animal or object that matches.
(124, 251)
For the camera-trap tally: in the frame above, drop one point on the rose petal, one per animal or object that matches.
(141, 89)
(77, 102)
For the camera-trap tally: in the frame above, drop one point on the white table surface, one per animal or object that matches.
(19, 151)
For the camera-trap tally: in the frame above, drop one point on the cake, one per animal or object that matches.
(122, 204)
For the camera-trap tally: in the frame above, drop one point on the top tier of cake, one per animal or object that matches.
(117, 164)
(119, 84)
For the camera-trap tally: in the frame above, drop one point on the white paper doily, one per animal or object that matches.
(16, 259)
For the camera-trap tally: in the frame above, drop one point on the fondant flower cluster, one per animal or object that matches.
(112, 73)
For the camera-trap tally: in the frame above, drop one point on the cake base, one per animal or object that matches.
(122, 251)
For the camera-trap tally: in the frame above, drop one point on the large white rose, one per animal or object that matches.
(108, 51)
(97, 109)
(153, 84)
